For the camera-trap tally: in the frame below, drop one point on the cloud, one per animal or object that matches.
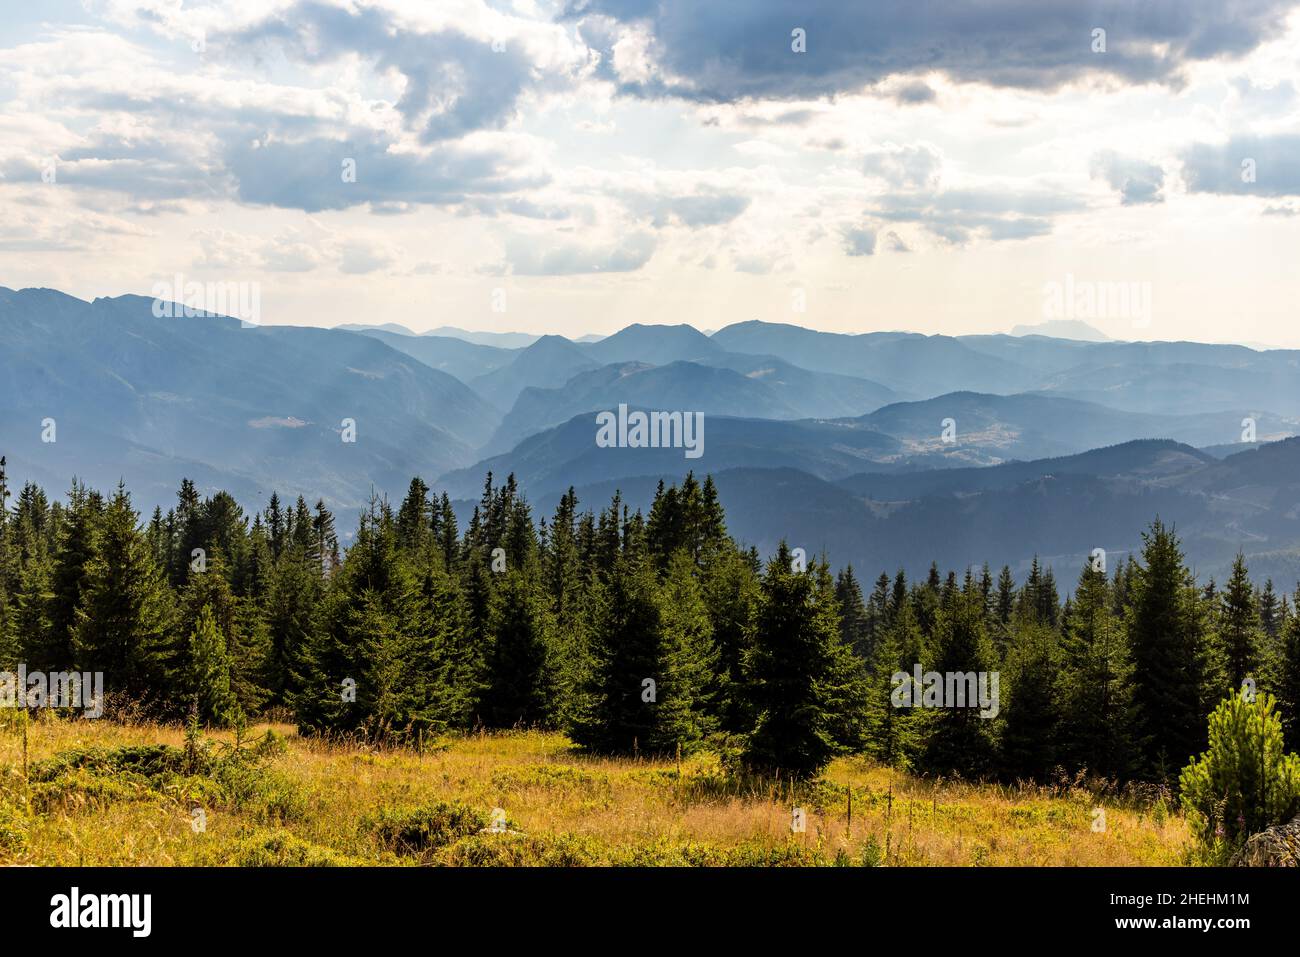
(858, 240)
(1136, 181)
(726, 52)
(994, 213)
(910, 167)
(537, 256)
(233, 125)
(1245, 165)
(453, 81)
(894, 243)
(705, 206)
(309, 174)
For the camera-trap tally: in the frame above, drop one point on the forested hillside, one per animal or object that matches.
(634, 633)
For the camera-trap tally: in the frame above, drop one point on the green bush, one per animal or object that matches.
(273, 849)
(414, 830)
(1245, 782)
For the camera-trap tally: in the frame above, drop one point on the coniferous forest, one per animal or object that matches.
(632, 633)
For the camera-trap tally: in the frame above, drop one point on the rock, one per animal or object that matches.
(1277, 846)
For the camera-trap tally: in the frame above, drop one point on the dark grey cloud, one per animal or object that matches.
(1245, 165)
(454, 83)
(1136, 181)
(731, 50)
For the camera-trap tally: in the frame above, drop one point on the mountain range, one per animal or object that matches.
(883, 447)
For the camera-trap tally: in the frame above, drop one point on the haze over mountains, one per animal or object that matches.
(884, 448)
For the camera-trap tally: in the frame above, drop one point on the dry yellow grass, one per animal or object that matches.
(314, 800)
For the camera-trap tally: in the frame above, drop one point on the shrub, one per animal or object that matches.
(414, 830)
(274, 849)
(1244, 782)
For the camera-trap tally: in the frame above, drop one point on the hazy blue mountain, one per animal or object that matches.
(501, 340)
(1155, 460)
(464, 360)
(568, 454)
(1059, 516)
(394, 327)
(1062, 329)
(681, 386)
(994, 428)
(151, 400)
(728, 384)
(907, 362)
(657, 345)
(811, 394)
(1262, 385)
(548, 363)
(901, 437)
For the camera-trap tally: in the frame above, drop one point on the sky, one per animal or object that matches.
(573, 167)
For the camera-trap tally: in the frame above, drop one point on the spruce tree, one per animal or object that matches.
(206, 676)
(1029, 731)
(124, 619)
(688, 703)
(1094, 688)
(806, 686)
(1167, 645)
(959, 739)
(520, 683)
(617, 707)
(1239, 639)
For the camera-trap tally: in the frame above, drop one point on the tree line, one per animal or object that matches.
(650, 633)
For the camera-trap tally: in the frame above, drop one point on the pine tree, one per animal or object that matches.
(731, 601)
(959, 739)
(125, 616)
(805, 684)
(1168, 652)
(616, 711)
(1239, 640)
(520, 689)
(206, 675)
(76, 548)
(1094, 688)
(857, 627)
(1029, 733)
(1288, 684)
(688, 705)
(894, 734)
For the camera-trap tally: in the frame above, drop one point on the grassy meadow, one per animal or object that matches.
(101, 793)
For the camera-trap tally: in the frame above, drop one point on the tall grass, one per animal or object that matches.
(316, 801)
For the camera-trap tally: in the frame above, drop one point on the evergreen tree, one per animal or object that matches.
(1094, 689)
(206, 676)
(125, 616)
(688, 706)
(1168, 651)
(959, 739)
(1238, 630)
(857, 626)
(805, 684)
(1029, 730)
(520, 688)
(617, 708)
